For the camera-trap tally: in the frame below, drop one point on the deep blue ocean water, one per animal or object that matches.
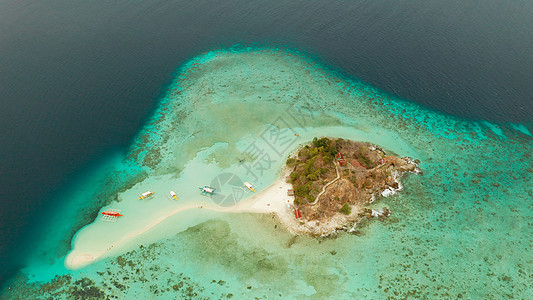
(78, 81)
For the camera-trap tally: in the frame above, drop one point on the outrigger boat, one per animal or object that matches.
(250, 186)
(173, 194)
(111, 213)
(207, 191)
(146, 195)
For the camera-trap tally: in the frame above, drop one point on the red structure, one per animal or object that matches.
(342, 162)
(382, 161)
(111, 213)
(340, 158)
(297, 213)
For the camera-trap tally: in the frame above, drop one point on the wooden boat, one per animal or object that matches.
(250, 186)
(111, 213)
(173, 194)
(207, 190)
(146, 195)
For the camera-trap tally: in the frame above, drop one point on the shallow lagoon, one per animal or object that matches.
(462, 228)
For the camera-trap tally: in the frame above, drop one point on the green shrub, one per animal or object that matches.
(323, 142)
(312, 177)
(303, 153)
(301, 191)
(310, 198)
(291, 161)
(333, 151)
(313, 152)
(294, 176)
(310, 166)
(346, 209)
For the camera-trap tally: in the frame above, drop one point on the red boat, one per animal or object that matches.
(112, 213)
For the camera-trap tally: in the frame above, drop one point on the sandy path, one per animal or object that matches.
(327, 184)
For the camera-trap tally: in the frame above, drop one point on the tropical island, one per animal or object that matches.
(325, 187)
(333, 180)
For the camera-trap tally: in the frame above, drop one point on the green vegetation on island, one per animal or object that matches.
(313, 167)
(332, 176)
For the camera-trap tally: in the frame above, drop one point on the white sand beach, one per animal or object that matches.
(273, 199)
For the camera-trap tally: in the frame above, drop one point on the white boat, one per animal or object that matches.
(146, 195)
(207, 190)
(173, 194)
(250, 186)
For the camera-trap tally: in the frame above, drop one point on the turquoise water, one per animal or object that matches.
(461, 229)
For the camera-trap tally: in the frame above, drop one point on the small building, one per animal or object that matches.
(382, 161)
(339, 156)
(342, 162)
(297, 213)
(290, 192)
